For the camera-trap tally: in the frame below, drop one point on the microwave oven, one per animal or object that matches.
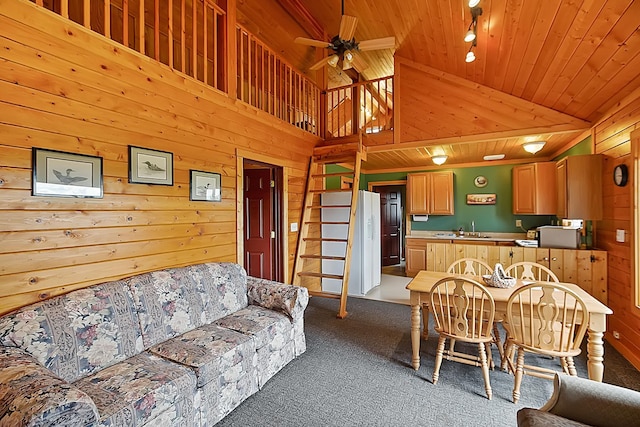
(551, 236)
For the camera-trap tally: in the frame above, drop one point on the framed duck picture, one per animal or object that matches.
(61, 174)
(147, 166)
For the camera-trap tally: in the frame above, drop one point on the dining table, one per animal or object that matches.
(420, 287)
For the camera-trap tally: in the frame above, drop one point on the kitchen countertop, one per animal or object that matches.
(479, 236)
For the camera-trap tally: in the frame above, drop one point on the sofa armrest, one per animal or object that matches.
(593, 403)
(31, 395)
(291, 300)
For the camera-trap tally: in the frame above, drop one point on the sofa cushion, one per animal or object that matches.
(211, 351)
(141, 389)
(30, 394)
(267, 327)
(176, 300)
(273, 333)
(79, 333)
(529, 417)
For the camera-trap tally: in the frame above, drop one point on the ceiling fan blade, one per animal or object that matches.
(312, 42)
(375, 44)
(321, 63)
(359, 63)
(347, 27)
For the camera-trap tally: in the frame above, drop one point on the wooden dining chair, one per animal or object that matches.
(476, 268)
(533, 271)
(469, 267)
(544, 318)
(463, 310)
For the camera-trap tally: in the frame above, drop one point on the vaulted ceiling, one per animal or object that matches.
(576, 57)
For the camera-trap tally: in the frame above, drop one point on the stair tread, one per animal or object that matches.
(313, 274)
(330, 206)
(323, 175)
(334, 258)
(328, 222)
(321, 239)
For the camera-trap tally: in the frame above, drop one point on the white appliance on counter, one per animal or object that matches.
(366, 258)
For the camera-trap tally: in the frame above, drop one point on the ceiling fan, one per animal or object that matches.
(345, 47)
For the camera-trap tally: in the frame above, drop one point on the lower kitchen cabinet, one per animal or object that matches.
(586, 268)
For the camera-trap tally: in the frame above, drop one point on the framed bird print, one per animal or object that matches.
(148, 166)
(60, 174)
(205, 186)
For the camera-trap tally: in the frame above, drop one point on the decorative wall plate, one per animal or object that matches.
(480, 181)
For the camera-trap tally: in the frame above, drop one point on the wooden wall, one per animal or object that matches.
(66, 88)
(612, 138)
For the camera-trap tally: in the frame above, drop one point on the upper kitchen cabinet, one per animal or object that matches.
(430, 193)
(579, 181)
(534, 189)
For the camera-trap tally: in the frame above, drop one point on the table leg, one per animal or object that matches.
(415, 336)
(595, 355)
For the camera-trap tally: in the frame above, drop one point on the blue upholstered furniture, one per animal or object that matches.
(175, 347)
(582, 402)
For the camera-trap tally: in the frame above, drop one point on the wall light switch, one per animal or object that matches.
(620, 236)
(293, 226)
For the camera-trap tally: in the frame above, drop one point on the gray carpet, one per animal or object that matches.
(356, 372)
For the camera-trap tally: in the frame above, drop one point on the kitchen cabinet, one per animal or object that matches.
(586, 268)
(430, 193)
(534, 189)
(579, 183)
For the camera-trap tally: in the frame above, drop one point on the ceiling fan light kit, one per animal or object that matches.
(345, 47)
(533, 147)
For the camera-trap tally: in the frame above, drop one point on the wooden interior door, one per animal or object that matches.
(391, 214)
(259, 233)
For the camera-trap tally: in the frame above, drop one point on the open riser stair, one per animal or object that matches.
(310, 259)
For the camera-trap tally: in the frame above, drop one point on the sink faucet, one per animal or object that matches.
(473, 227)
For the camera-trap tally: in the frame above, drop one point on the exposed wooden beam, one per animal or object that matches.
(303, 17)
(493, 136)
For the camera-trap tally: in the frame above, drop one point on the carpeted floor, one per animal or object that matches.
(356, 372)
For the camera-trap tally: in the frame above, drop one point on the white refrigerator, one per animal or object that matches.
(366, 263)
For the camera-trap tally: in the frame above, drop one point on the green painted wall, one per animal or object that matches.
(488, 218)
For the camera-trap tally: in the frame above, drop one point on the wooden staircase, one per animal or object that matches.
(309, 257)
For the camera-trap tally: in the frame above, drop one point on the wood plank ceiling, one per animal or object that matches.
(576, 57)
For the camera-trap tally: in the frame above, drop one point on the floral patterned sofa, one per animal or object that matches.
(176, 347)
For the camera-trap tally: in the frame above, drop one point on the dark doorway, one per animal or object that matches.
(262, 188)
(391, 223)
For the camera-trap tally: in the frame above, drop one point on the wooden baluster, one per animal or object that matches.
(170, 19)
(107, 18)
(194, 38)
(64, 8)
(156, 24)
(141, 19)
(125, 22)
(183, 35)
(86, 13)
(205, 42)
(241, 59)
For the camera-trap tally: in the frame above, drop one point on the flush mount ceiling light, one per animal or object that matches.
(533, 147)
(494, 157)
(440, 159)
(474, 3)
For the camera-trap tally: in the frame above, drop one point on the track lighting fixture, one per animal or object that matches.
(472, 31)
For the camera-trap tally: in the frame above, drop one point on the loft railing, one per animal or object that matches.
(366, 106)
(189, 36)
(267, 82)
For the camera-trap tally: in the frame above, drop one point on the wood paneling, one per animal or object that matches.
(64, 87)
(612, 138)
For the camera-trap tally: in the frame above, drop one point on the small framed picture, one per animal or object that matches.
(481, 199)
(60, 174)
(150, 166)
(205, 186)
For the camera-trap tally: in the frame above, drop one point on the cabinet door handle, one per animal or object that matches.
(554, 259)
(545, 259)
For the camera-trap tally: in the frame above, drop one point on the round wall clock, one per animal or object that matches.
(480, 181)
(620, 175)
